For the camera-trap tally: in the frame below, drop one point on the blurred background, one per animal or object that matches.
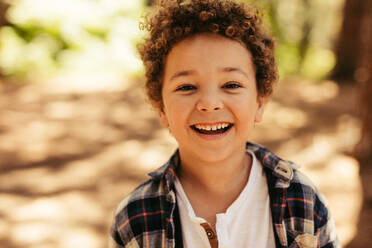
(77, 135)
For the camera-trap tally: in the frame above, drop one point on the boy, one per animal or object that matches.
(210, 69)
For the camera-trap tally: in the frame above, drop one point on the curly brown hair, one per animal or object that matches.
(174, 20)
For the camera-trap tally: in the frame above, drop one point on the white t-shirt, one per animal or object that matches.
(246, 223)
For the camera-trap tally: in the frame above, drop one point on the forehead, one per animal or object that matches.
(208, 50)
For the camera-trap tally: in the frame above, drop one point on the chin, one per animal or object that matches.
(213, 156)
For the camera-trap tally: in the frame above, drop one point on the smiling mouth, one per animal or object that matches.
(212, 129)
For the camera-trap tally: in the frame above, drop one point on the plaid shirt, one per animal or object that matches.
(149, 216)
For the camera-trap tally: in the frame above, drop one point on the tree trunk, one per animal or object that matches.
(3, 9)
(363, 150)
(348, 49)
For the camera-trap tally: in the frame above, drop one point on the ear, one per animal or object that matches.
(261, 100)
(162, 117)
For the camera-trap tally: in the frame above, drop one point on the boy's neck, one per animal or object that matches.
(219, 179)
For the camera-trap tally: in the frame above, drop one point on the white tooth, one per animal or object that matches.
(219, 126)
(208, 128)
(214, 128)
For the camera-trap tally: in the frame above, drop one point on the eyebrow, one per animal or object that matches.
(224, 69)
(234, 69)
(181, 74)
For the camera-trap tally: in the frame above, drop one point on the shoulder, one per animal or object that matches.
(308, 210)
(141, 210)
(147, 190)
(302, 187)
(146, 213)
(304, 198)
(300, 182)
(297, 204)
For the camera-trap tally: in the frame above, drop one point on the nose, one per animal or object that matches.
(208, 102)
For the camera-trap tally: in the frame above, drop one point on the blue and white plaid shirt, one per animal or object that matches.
(149, 216)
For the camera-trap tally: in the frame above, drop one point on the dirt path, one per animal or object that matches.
(67, 159)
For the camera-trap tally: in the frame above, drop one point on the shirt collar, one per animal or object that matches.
(281, 169)
(168, 170)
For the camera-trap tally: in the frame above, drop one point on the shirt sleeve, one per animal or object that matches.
(325, 225)
(327, 235)
(114, 239)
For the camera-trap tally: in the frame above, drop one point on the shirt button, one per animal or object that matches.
(210, 234)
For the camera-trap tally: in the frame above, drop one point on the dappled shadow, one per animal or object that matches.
(68, 158)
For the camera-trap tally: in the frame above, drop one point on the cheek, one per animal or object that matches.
(177, 113)
(246, 111)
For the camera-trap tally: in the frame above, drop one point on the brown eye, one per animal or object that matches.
(186, 88)
(232, 85)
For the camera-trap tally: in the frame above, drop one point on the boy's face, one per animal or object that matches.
(210, 100)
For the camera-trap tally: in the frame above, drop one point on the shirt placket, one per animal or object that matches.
(211, 234)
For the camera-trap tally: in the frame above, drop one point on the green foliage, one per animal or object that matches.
(53, 36)
(288, 58)
(305, 32)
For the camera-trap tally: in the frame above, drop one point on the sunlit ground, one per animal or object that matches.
(69, 156)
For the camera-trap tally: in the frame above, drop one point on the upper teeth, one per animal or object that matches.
(211, 127)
